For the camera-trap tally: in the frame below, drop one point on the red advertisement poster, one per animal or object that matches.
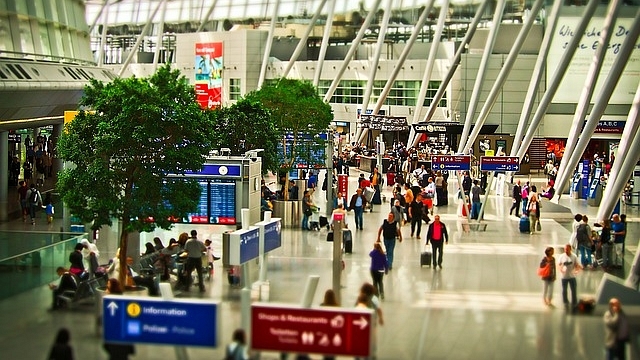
(208, 83)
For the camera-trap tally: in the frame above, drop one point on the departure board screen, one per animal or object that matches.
(222, 197)
(217, 203)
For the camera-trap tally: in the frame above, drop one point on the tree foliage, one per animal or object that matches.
(135, 132)
(299, 115)
(247, 125)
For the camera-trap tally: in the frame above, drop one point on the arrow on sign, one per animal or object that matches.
(112, 307)
(362, 322)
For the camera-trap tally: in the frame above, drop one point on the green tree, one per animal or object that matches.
(300, 116)
(247, 125)
(135, 132)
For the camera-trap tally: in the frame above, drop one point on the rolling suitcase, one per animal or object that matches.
(525, 225)
(425, 258)
(391, 178)
(347, 240)
(323, 221)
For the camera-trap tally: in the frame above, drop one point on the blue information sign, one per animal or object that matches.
(190, 322)
(499, 163)
(272, 234)
(244, 245)
(227, 170)
(450, 162)
(586, 170)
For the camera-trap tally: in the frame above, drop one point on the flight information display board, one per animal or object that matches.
(217, 203)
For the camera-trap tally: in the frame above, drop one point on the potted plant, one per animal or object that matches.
(130, 136)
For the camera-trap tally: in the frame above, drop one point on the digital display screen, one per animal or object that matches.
(217, 204)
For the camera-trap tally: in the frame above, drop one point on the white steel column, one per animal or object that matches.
(145, 30)
(103, 35)
(433, 53)
(625, 163)
(303, 40)
(400, 62)
(156, 54)
(205, 18)
(600, 102)
(267, 46)
(538, 71)
(374, 62)
(502, 77)
(352, 50)
(557, 76)
(484, 64)
(95, 21)
(325, 42)
(452, 69)
(590, 83)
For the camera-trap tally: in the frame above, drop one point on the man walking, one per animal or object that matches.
(194, 248)
(517, 198)
(619, 232)
(389, 230)
(357, 204)
(569, 266)
(436, 235)
(476, 204)
(616, 327)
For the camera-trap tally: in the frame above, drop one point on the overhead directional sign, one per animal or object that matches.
(450, 162)
(244, 245)
(190, 322)
(330, 331)
(499, 163)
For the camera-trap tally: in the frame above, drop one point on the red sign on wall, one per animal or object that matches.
(343, 185)
(329, 331)
(208, 83)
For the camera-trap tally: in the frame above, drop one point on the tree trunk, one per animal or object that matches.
(124, 237)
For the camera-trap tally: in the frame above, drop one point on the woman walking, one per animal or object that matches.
(547, 272)
(379, 267)
(534, 211)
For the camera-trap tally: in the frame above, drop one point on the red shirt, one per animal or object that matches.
(437, 231)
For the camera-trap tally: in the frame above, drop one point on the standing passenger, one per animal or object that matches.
(569, 267)
(549, 278)
(437, 235)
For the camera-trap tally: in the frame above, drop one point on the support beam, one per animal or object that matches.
(557, 76)
(590, 82)
(95, 21)
(267, 46)
(600, 102)
(325, 42)
(303, 40)
(354, 46)
(145, 31)
(490, 101)
(431, 59)
(413, 137)
(482, 70)
(403, 57)
(375, 60)
(206, 16)
(156, 54)
(625, 163)
(538, 72)
(103, 35)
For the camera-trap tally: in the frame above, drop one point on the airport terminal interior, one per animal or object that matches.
(461, 76)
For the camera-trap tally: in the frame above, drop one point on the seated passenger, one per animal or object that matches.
(77, 262)
(66, 281)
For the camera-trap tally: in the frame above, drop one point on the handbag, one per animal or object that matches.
(308, 212)
(544, 271)
(538, 226)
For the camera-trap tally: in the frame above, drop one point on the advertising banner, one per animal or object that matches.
(208, 65)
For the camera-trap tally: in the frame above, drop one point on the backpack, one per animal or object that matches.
(582, 235)
(33, 197)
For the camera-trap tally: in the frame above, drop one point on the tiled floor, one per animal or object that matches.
(485, 303)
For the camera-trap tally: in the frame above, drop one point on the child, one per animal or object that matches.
(210, 258)
(49, 208)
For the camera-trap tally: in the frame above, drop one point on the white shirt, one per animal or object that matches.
(568, 265)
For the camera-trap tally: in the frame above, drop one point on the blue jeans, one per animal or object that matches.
(585, 254)
(305, 222)
(525, 202)
(358, 210)
(475, 210)
(574, 297)
(389, 245)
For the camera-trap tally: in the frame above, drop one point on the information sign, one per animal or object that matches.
(244, 245)
(450, 162)
(343, 184)
(499, 163)
(190, 322)
(271, 235)
(335, 331)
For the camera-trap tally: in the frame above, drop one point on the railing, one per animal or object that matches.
(29, 259)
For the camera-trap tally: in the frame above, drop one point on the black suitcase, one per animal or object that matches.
(330, 236)
(324, 222)
(347, 240)
(425, 258)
